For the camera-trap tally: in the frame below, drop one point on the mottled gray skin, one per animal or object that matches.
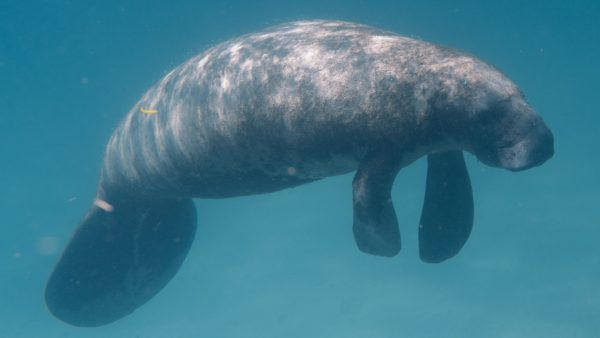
(276, 109)
(308, 100)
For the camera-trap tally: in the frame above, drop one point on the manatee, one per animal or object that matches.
(283, 107)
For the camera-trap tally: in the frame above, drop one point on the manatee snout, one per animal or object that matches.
(533, 150)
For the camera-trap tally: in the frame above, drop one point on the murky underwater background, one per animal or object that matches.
(285, 264)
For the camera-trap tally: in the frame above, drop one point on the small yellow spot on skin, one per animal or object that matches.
(148, 111)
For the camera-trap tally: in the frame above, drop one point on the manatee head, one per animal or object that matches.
(511, 135)
(491, 118)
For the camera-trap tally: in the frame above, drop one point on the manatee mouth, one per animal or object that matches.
(535, 149)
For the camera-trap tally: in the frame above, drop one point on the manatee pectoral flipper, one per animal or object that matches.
(447, 215)
(121, 255)
(375, 225)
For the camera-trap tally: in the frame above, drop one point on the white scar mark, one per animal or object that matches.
(102, 204)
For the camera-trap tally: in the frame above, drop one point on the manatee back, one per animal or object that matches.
(318, 91)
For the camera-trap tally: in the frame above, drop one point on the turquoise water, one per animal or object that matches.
(285, 264)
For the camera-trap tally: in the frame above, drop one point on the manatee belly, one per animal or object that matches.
(256, 164)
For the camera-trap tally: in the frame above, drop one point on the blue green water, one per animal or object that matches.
(285, 264)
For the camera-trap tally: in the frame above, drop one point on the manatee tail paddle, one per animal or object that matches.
(121, 255)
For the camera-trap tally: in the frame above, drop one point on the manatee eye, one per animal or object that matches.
(493, 128)
(491, 121)
(503, 128)
(490, 117)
